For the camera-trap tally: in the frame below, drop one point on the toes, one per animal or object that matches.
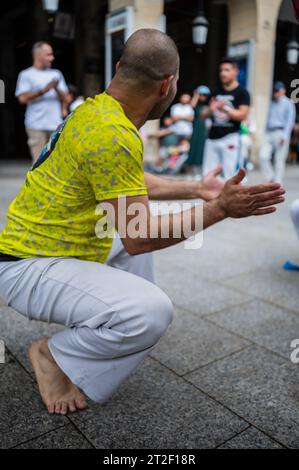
(81, 403)
(51, 408)
(64, 408)
(58, 408)
(72, 406)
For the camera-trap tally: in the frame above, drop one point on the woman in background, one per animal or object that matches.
(199, 100)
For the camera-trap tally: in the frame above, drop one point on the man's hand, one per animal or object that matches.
(214, 105)
(26, 98)
(238, 201)
(211, 185)
(51, 86)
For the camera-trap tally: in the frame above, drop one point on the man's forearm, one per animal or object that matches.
(169, 230)
(64, 98)
(236, 115)
(26, 98)
(162, 189)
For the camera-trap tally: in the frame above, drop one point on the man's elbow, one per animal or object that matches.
(22, 100)
(138, 247)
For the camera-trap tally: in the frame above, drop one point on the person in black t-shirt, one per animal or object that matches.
(228, 107)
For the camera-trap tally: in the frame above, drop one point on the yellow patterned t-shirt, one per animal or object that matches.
(95, 155)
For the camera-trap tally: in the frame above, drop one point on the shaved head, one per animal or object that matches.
(149, 57)
(43, 55)
(146, 76)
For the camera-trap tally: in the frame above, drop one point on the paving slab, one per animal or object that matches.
(191, 342)
(67, 437)
(197, 295)
(263, 323)
(156, 409)
(251, 439)
(15, 326)
(22, 414)
(259, 386)
(268, 286)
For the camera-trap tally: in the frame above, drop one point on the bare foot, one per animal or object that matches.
(58, 393)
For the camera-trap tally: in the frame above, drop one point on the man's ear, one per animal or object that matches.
(164, 90)
(117, 66)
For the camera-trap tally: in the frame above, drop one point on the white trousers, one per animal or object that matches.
(275, 143)
(226, 152)
(114, 313)
(295, 215)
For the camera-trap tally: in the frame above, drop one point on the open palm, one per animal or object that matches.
(212, 185)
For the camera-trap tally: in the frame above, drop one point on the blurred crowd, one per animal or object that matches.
(218, 127)
(198, 133)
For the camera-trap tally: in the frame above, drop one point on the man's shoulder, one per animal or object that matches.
(26, 72)
(54, 71)
(95, 127)
(242, 91)
(176, 107)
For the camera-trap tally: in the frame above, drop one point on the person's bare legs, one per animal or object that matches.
(58, 393)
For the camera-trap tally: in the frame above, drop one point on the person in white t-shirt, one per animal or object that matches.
(45, 93)
(182, 114)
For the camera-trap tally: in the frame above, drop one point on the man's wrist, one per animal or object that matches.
(219, 208)
(197, 189)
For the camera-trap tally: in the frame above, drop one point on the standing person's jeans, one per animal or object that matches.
(114, 313)
(36, 142)
(275, 143)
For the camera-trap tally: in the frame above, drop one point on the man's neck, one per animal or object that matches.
(231, 86)
(39, 66)
(130, 102)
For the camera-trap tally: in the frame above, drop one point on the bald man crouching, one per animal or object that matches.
(63, 260)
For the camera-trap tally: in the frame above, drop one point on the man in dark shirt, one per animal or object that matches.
(227, 109)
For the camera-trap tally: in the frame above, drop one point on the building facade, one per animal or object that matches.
(88, 37)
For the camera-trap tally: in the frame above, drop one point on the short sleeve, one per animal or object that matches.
(62, 86)
(174, 110)
(191, 111)
(23, 84)
(112, 162)
(244, 99)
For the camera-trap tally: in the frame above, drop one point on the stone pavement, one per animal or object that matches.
(221, 377)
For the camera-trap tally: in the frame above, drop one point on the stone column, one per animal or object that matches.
(257, 19)
(147, 15)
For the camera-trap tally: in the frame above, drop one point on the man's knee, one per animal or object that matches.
(156, 315)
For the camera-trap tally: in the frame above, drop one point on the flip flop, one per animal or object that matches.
(289, 266)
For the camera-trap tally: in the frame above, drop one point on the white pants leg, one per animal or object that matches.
(141, 265)
(114, 318)
(266, 151)
(212, 156)
(230, 154)
(282, 145)
(295, 215)
(225, 152)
